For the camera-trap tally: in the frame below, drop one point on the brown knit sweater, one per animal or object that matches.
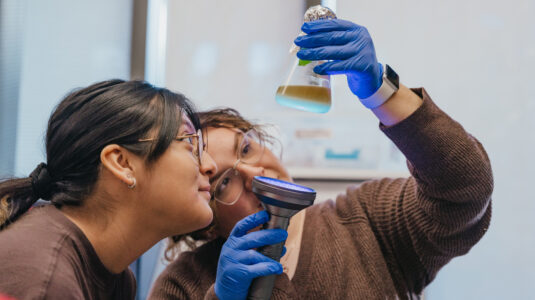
(385, 239)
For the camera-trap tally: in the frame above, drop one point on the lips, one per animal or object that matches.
(206, 191)
(205, 188)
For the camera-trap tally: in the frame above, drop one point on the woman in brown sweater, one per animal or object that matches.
(385, 239)
(124, 170)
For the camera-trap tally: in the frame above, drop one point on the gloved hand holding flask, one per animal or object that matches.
(348, 49)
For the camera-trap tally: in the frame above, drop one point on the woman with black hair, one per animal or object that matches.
(125, 168)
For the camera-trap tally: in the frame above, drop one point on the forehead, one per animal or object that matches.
(222, 145)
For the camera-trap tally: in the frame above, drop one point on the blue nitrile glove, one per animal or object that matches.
(349, 49)
(239, 263)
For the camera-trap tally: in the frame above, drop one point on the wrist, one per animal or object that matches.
(216, 292)
(365, 84)
(399, 107)
(388, 85)
(211, 294)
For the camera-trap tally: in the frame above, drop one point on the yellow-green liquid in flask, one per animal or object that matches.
(305, 97)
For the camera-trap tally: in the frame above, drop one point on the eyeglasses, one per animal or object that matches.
(228, 188)
(194, 139)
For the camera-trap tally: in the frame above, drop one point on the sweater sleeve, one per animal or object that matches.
(438, 213)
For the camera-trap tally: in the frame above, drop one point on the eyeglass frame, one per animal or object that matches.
(233, 169)
(200, 143)
(213, 189)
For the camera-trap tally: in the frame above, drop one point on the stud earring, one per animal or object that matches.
(133, 185)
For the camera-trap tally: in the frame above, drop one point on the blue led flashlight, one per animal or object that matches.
(282, 200)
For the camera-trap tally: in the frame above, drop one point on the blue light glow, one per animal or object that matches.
(284, 184)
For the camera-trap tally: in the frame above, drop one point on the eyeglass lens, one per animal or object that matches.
(251, 148)
(230, 185)
(200, 145)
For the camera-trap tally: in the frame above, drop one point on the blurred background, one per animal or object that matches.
(475, 58)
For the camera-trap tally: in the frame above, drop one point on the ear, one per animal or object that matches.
(120, 162)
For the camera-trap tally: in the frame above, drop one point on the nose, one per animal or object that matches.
(248, 172)
(208, 166)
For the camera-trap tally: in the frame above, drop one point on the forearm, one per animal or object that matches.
(442, 156)
(444, 209)
(400, 106)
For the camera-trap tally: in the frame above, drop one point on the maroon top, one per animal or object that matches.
(44, 255)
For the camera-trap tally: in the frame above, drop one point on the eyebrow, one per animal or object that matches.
(236, 140)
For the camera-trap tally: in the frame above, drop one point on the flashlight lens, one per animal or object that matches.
(284, 184)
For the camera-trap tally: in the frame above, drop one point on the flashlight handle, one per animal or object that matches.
(262, 287)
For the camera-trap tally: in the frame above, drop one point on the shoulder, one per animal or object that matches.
(30, 253)
(190, 275)
(202, 260)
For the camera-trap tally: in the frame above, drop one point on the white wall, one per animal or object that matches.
(66, 44)
(236, 54)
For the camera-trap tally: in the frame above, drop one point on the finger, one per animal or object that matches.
(342, 67)
(251, 257)
(326, 39)
(327, 53)
(328, 25)
(261, 238)
(264, 269)
(250, 222)
(283, 251)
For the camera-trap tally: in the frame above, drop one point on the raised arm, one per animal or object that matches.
(440, 212)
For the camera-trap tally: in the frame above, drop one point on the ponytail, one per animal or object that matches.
(18, 195)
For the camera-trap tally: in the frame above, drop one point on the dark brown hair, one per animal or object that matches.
(84, 122)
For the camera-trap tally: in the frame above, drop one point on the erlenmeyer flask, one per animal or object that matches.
(304, 89)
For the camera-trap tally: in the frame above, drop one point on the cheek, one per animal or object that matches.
(181, 168)
(175, 182)
(274, 168)
(229, 215)
(173, 179)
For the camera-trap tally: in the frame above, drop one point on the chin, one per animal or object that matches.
(201, 222)
(207, 216)
(209, 219)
